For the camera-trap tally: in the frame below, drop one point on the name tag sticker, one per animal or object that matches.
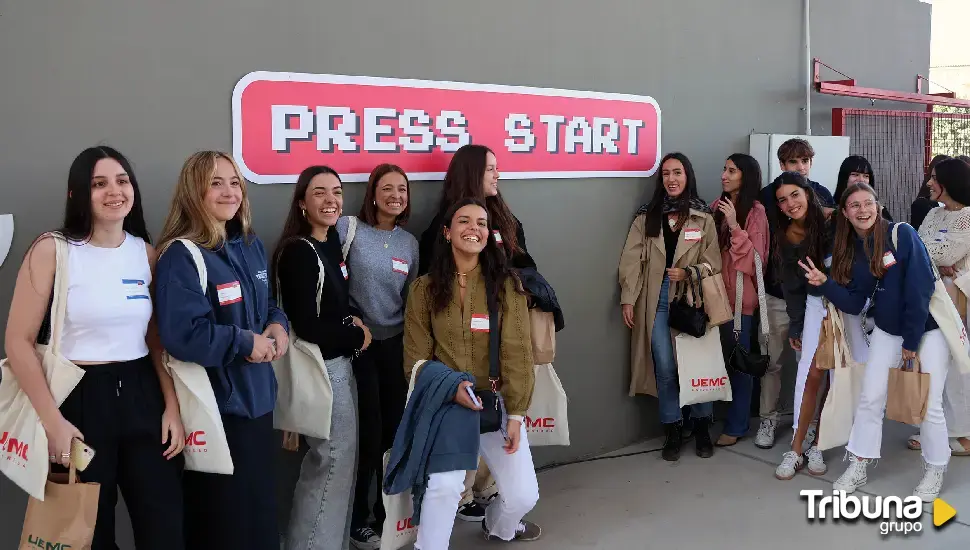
(498, 237)
(399, 266)
(692, 235)
(479, 322)
(135, 289)
(229, 293)
(888, 260)
(343, 270)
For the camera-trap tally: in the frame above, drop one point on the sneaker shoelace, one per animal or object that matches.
(932, 478)
(789, 459)
(365, 533)
(767, 426)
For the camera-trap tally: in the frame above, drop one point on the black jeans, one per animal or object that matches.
(237, 511)
(118, 407)
(381, 394)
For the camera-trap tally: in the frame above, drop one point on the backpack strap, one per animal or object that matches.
(351, 231)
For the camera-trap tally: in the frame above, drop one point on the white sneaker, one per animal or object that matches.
(854, 476)
(791, 462)
(929, 487)
(766, 434)
(816, 462)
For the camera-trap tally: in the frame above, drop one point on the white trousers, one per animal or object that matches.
(885, 353)
(518, 489)
(956, 402)
(815, 312)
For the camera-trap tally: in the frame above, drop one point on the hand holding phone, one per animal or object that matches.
(81, 454)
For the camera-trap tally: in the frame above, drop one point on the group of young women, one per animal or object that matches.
(827, 254)
(130, 305)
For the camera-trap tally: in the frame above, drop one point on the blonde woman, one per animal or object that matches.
(234, 329)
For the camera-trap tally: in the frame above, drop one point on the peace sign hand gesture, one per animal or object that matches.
(812, 273)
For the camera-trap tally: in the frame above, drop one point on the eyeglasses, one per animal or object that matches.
(859, 205)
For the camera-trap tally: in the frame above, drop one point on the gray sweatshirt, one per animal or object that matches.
(382, 265)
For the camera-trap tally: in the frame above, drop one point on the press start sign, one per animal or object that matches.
(285, 122)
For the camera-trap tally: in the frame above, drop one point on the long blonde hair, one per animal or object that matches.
(188, 217)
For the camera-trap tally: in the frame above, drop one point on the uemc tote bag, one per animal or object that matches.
(304, 398)
(66, 518)
(845, 388)
(948, 318)
(206, 446)
(23, 441)
(700, 367)
(546, 422)
(399, 509)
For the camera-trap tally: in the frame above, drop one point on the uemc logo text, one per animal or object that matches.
(37, 542)
(540, 424)
(14, 448)
(195, 442)
(404, 525)
(712, 383)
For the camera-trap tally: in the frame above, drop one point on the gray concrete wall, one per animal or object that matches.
(154, 79)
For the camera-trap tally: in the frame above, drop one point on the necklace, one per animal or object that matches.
(462, 279)
(388, 237)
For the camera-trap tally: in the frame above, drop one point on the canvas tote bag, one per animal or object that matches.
(206, 449)
(66, 518)
(23, 441)
(543, 336)
(304, 399)
(908, 394)
(845, 388)
(700, 367)
(398, 530)
(546, 422)
(947, 317)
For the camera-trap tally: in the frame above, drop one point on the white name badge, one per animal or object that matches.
(399, 266)
(498, 237)
(135, 289)
(692, 235)
(479, 323)
(888, 260)
(229, 293)
(343, 271)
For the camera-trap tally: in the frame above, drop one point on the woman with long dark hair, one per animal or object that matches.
(671, 233)
(866, 259)
(383, 261)
(125, 406)
(856, 169)
(803, 232)
(923, 203)
(742, 232)
(322, 501)
(447, 319)
(946, 234)
(233, 328)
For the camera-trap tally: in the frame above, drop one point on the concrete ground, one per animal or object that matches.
(729, 501)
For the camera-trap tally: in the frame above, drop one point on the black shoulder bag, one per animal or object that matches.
(685, 317)
(492, 415)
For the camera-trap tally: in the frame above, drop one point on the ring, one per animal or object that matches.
(65, 455)
(53, 458)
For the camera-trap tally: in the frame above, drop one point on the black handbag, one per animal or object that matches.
(492, 416)
(686, 317)
(740, 359)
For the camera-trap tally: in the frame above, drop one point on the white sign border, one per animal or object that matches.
(272, 76)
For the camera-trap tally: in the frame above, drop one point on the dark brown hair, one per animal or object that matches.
(795, 148)
(843, 247)
(815, 226)
(464, 178)
(655, 216)
(747, 195)
(924, 191)
(368, 210)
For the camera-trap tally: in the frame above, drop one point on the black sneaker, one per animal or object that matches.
(472, 511)
(365, 539)
(526, 532)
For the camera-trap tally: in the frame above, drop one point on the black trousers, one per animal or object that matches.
(381, 394)
(118, 407)
(237, 511)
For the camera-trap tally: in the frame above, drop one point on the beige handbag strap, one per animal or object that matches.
(762, 302)
(320, 279)
(199, 263)
(59, 303)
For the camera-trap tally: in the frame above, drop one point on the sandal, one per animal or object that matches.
(726, 440)
(959, 446)
(913, 442)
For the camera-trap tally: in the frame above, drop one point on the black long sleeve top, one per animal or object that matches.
(297, 272)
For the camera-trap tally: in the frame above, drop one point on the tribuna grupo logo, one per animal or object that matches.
(894, 514)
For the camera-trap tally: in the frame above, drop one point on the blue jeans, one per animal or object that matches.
(665, 366)
(742, 385)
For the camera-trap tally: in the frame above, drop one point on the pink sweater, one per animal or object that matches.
(740, 257)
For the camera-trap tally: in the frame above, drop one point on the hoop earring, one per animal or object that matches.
(304, 211)
(375, 203)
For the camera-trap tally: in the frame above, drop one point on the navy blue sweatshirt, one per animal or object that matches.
(773, 281)
(901, 306)
(215, 329)
(791, 278)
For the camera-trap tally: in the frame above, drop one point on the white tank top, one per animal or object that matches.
(108, 303)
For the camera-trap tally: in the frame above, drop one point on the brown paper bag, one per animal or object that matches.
(65, 518)
(543, 336)
(908, 394)
(716, 304)
(825, 352)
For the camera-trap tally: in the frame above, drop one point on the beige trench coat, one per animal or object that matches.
(642, 266)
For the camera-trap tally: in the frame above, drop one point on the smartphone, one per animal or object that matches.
(81, 454)
(471, 394)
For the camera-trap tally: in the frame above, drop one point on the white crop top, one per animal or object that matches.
(108, 303)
